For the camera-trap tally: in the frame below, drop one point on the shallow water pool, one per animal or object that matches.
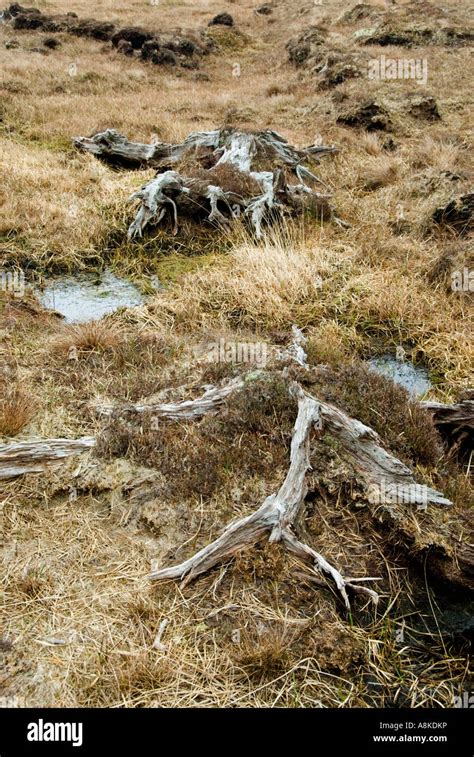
(87, 297)
(412, 377)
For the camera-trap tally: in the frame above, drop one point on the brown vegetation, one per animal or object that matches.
(78, 542)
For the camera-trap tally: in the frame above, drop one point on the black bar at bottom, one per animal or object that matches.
(124, 731)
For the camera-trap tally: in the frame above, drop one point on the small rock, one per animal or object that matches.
(222, 19)
(12, 44)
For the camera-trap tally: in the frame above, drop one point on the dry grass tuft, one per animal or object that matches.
(93, 336)
(17, 409)
(267, 654)
(379, 173)
(371, 143)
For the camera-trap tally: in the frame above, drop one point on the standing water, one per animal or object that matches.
(86, 297)
(413, 378)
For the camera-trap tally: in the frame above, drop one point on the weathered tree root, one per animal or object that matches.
(209, 402)
(19, 458)
(386, 478)
(210, 195)
(275, 516)
(279, 512)
(455, 422)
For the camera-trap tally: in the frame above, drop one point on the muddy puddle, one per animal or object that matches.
(413, 378)
(88, 297)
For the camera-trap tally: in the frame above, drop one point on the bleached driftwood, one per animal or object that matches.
(386, 478)
(380, 471)
(275, 517)
(296, 351)
(19, 458)
(236, 147)
(208, 402)
(204, 195)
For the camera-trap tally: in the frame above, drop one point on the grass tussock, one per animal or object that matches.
(93, 336)
(289, 280)
(17, 408)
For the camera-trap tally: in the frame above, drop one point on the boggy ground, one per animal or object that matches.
(78, 542)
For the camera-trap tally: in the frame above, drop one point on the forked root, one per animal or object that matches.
(276, 516)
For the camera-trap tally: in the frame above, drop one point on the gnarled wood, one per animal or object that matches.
(455, 422)
(275, 517)
(208, 402)
(387, 479)
(175, 192)
(19, 458)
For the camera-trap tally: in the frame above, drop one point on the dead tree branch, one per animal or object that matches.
(19, 458)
